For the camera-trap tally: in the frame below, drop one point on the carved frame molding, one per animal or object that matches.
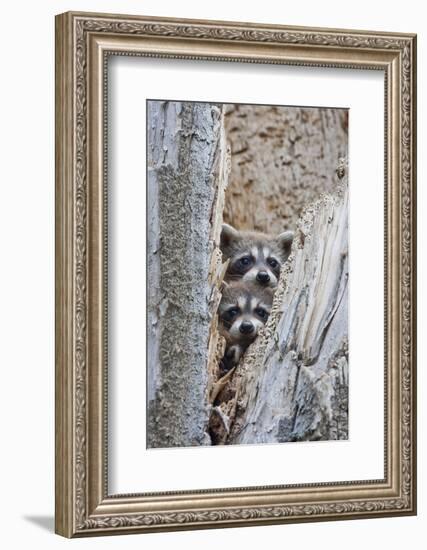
(83, 43)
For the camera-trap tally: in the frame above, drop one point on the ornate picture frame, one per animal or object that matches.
(84, 42)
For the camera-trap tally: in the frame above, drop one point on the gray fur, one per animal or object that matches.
(264, 253)
(247, 299)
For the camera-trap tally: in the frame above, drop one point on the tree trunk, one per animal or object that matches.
(293, 382)
(187, 174)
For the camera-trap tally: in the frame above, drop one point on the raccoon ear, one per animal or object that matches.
(285, 242)
(228, 234)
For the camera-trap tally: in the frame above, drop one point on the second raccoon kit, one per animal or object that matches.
(243, 310)
(255, 260)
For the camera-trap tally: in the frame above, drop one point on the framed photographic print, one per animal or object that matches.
(235, 274)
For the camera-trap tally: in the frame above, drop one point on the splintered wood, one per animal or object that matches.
(293, 382)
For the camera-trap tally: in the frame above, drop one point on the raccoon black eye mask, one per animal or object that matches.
(255, 257)
(243, 311)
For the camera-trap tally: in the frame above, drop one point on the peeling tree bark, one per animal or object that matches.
(187, 174)
(293, 383)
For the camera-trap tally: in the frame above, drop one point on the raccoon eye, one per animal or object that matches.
(232, 312)
(245, 261)
(261, 313)
(272, 262)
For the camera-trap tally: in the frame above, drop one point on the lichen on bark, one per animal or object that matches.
(184, 163)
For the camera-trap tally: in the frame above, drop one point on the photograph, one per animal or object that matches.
(247, 274)
(235, 272)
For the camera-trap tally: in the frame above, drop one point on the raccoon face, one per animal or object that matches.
(243, 310)
(255, 257)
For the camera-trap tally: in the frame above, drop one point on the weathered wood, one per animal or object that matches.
(282, 160)
(187, 173)
(293, 382)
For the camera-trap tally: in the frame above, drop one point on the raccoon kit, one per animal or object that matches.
(243, 310)
(253, 256)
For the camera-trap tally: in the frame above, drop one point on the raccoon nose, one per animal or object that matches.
(246, 327)
(263, 277)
